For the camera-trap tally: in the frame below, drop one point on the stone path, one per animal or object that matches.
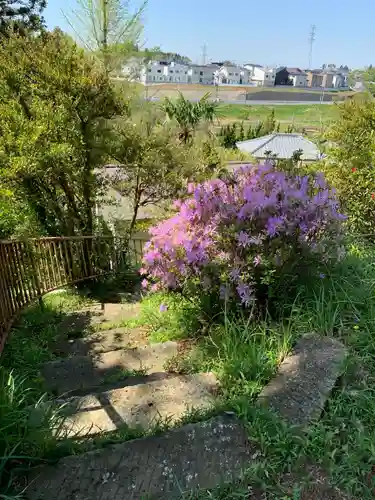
(160, 467)
(305, 380)
(111, 378)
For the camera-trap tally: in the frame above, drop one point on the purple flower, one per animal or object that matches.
(243, 239)
(322, 276)
(273, 225)
(234, 274)
(144, 283)
(245, 293)
(163, 308)
(215, 231)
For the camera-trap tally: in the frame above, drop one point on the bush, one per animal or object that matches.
(350, 163)
(235, 238)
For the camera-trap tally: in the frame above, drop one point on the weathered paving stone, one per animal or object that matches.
(140, 405)
(97, 315)
(305, 379)
(84, 372)
(104, 341)
(160, 467)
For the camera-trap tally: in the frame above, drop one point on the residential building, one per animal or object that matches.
(281, 145)
(261, 75)
(232, 75)
(320, 78)
(163, 71)
(328, 77)
(201, 73)
(297, 77)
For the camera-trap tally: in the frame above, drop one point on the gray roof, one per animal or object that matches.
(283, 145)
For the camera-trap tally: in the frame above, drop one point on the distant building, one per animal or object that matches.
(281, 145)
(163, 71)
(201, 73)
(291, 76)
(297, 77)
(320, 78)
(328, 78)
(261, 75)
(232, 75)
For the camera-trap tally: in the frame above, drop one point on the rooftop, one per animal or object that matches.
(283, 145)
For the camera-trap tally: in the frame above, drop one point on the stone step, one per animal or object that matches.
(103, 341)
(140, 405)
(305, 380)
(194, 456)
(80, 373)
(97, 316)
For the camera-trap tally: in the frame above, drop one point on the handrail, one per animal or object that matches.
(33, 267)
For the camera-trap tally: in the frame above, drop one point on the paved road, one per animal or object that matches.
(276, 103)
(262, 103)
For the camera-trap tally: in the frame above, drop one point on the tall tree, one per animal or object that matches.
(56, 111)
(189, 115)
(21, 15)
(108, 28)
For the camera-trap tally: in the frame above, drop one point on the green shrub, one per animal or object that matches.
(350, 163)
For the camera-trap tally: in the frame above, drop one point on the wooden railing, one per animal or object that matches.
(33, 267)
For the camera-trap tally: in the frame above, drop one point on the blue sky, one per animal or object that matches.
(271, 32)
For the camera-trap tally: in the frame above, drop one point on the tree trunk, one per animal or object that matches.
(105, 36)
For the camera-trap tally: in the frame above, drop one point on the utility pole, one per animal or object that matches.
(312, 36)
(204, 54)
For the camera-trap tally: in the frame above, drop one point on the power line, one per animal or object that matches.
(312, 36)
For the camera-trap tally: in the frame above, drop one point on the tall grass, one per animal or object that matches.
(29, 425)
(25, 429)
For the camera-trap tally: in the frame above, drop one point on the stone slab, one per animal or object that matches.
(305, 380)
(195, 456)
(103, 341)
(139, 405)
(95, 316)
(84, 372)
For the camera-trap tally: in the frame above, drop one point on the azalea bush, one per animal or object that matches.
(236, 237)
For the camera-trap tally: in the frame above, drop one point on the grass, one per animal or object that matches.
(244, 355)
(26, 419)
(313, 114)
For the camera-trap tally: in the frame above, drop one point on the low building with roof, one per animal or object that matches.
(283, 146)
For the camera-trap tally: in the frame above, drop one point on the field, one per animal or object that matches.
(304, 115)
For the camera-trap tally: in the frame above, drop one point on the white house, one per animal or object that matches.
(163, 71)
(260, 75)
(201, 74)
(232, 75)
(297, 77)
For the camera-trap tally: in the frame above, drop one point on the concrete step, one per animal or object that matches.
(103, 341)
(97, 316)
(80, 373)
(305, 380)
(195, 456)
(139, 405)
